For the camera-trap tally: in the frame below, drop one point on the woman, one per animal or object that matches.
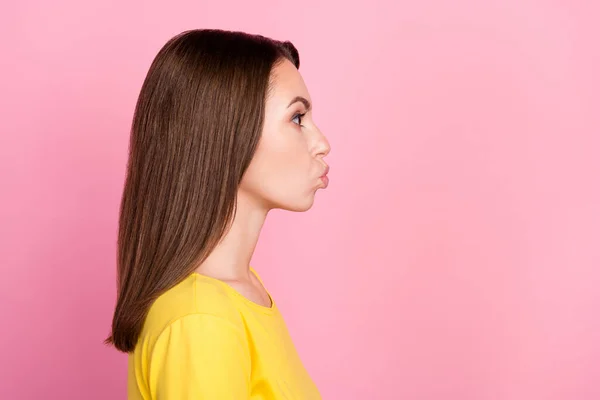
(222, 133)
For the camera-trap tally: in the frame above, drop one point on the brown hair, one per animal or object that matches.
(197, 122)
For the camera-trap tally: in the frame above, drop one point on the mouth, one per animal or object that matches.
(325, 178)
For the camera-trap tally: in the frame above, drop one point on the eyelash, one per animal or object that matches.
(301, 115)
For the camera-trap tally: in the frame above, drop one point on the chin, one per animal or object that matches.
(298, 206)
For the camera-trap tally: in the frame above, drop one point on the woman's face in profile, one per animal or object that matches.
(288, 166)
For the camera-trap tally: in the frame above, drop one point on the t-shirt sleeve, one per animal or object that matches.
(198, 357)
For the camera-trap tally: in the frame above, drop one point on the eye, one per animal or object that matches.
(299, 117)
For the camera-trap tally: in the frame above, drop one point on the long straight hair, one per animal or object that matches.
(196, 126)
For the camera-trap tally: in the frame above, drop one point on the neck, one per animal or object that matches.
(230, 259)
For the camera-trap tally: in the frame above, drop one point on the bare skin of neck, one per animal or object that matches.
(230, 260)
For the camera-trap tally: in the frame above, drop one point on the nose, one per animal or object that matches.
(322, 146)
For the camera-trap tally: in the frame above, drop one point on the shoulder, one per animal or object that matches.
(194, 296)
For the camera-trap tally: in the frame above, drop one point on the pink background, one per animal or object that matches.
(455, 255)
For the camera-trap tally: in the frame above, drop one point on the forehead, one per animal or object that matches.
(287, 83)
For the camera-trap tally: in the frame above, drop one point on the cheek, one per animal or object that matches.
(280, 164)
(280, 168)
(285, 152)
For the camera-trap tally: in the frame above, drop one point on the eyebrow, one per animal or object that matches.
(301, 100)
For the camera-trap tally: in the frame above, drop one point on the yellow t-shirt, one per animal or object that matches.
(203, 340)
